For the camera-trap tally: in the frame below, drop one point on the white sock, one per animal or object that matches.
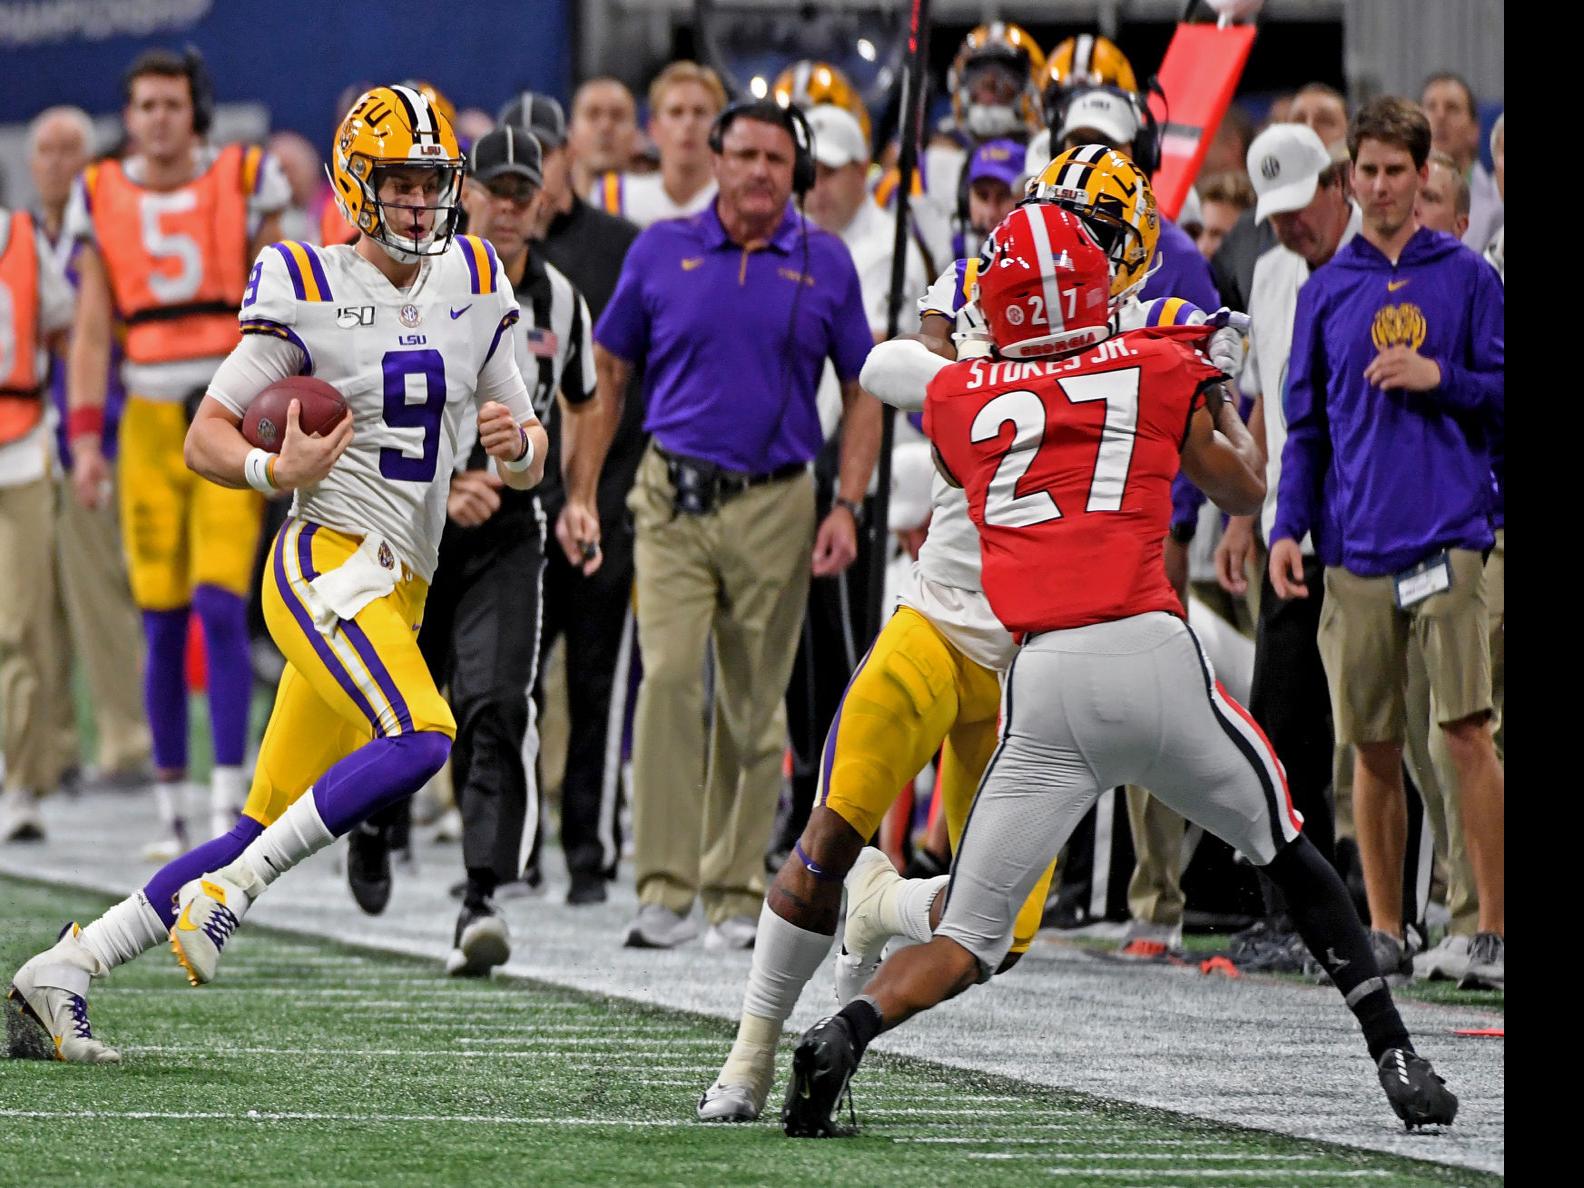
(785, 958)
(228, 789)
(905, 910)
(126, 930)
(170, 797)
(298, 833)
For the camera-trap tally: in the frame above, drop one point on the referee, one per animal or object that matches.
(481, 626)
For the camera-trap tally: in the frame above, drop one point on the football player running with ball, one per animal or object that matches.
(1066, 440)
(407, 325)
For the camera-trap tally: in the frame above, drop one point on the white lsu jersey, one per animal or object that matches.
(408, 363)
(946, 586)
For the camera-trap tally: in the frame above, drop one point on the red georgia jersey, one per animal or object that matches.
(1068, 465)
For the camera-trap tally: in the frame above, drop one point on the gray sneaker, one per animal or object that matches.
(658, 927)
(1487, 963)
(1448, 961)
(1394, 958)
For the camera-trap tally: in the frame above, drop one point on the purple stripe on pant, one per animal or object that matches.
(321, 647)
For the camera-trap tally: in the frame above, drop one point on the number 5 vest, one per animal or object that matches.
(21, 391)
(176, 258)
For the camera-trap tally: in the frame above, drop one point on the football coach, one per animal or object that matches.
(732, 313)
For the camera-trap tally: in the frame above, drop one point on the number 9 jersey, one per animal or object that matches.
(412, 364)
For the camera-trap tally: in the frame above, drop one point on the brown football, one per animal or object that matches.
(321, 409)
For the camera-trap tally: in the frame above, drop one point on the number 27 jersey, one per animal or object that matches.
(408, 363)
(1068, 465)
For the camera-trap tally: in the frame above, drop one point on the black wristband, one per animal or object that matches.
(1184, 532)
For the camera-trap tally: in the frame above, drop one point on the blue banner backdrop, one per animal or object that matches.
(294, 56)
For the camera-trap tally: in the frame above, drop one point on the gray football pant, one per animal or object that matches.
(1128, 702)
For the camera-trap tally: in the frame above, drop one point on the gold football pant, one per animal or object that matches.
(913, 694)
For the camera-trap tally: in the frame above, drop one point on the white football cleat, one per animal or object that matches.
(47, 1005)
(731, 1103)
(872, 875)
(209, 910)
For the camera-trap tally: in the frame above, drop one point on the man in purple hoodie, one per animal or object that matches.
(1395, 391)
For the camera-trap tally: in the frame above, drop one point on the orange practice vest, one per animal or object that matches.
(21, 391)
(333, 227)
(176, 258)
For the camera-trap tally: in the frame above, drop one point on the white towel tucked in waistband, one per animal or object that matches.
(371, 572)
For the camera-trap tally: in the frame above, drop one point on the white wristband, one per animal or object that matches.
(527, 458)
(256, 470)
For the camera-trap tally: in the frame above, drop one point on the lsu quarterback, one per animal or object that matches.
(407, 323)
(932, 679)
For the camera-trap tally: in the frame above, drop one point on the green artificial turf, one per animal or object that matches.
(310, 1063)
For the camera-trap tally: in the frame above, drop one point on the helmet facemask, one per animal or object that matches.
(388, 221)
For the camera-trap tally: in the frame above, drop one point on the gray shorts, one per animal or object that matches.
(1129, 702)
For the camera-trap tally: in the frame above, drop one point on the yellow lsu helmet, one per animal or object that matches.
(391, 127)
(808, 83)
(1113, 197)
(1009, 51)
(1089, 60)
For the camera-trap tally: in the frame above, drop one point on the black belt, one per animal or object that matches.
(736, 480)
(168, 313)
(23, 393)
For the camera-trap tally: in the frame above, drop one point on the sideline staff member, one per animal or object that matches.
(732, 312)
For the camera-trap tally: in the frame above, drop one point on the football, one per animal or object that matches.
(322, 408)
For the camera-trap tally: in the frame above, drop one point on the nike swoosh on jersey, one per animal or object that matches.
(1393, 286)
(457, 313)
(692, 262)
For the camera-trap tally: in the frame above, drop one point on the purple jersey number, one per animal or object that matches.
(399, 414)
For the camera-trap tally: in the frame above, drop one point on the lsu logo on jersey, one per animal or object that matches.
(1398, 325)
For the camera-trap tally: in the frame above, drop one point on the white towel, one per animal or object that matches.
(371, 572)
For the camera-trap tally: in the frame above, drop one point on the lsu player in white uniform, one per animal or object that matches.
(930, 682)
(408, 325)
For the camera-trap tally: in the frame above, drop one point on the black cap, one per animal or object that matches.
(506, 150)
(540, 114)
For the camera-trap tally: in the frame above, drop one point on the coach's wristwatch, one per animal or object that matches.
(855, 506)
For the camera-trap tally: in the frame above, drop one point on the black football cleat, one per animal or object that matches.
(1418, 1095)
(369, 867)
(822, 1066)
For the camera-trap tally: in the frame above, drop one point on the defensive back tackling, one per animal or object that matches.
(407, 324)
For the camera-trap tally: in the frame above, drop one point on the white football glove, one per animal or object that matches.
(972, 335)
(1228, 344)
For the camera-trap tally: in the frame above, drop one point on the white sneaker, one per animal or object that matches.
(738, 932)
(482, 942)
(49, 998)
(20, 820)
(1448, 961)
(209, 909)
(730, 1103)
(871, 876)
(658, 927)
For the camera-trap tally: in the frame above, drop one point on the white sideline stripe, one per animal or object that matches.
(1200, 1156)
(306, 1116)
(1213, 1171)
(393, 1053)
(1010, 1141)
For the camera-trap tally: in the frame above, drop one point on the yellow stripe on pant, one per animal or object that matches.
(913, 694)
(365, 680)
(179, 529)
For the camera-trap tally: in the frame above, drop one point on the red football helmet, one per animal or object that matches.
(1044, 285)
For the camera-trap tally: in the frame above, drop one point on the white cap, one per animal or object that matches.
(1104, 111)
(1285, 163)
(838, 140)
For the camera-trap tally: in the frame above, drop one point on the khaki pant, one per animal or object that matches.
(1364, 646)
(27, 591)
(1155, 890)
(737, 578)
(95, 616)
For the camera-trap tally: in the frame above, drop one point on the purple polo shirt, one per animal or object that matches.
(709, 321)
